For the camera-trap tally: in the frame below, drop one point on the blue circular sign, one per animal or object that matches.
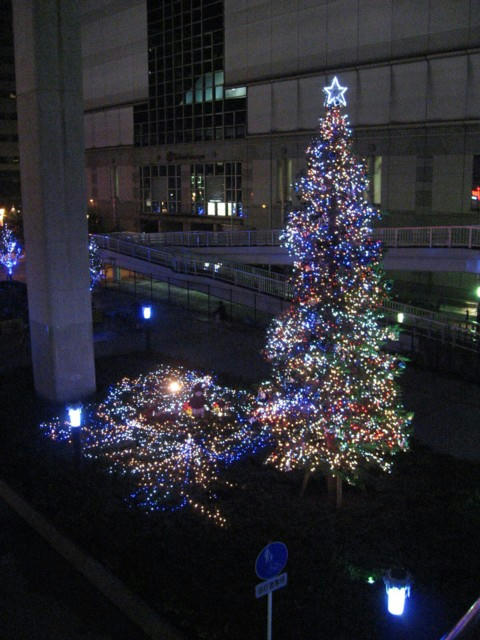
(271, 560)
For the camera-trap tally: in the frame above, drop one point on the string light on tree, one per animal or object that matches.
(333, 401)
(10, 250)
(95, 262)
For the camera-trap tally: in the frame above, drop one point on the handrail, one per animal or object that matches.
(451, 329)
(254, 278)
(464, 622)
(452, 237)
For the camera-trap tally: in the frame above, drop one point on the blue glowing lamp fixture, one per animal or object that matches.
(75, 415)
(146, 311)
(397, 585)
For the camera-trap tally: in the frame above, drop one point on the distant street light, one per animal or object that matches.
(397, 585)
(75, 420)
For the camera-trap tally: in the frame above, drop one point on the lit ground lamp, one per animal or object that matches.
(147, 316)
(75, 420)
(397, 585)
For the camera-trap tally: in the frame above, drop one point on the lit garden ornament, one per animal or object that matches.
(335, 94)
(197, 402)
(400, 317)
(174, 386)
(397, 585)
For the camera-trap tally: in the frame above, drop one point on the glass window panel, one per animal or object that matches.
(199, 95)
(208, 94)
(218, 78)
(218, 93)
(236, 92)
(211, 208)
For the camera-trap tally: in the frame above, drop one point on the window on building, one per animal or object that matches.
(186, 78)
(217, 189)
(476, 184)
(160, 189)
(284, 180)
(374, 173)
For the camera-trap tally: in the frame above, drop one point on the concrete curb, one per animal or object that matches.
(111, 587)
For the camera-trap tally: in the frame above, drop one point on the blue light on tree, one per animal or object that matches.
(10, 251)
(95, 263)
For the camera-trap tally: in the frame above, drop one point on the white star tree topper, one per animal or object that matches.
(335, 94)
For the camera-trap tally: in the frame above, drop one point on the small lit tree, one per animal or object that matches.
(10, 250)
(95, 262)
(333, 402)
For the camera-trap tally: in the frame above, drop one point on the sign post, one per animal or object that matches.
(270, 561)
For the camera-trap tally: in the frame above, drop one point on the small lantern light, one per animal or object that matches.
(397, 586)
(400, 317)
(174, 386)
(146, 311)
(75, 415)
(477, 291)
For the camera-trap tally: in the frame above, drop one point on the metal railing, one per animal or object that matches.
(444, 327)
(465, 622)
(254, 278)
(459, 237)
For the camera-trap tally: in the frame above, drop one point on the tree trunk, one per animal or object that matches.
(306, 478)
(334, 489)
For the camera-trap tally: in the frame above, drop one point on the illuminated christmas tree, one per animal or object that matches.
(333, 403)
(95, 262)
(10, 250)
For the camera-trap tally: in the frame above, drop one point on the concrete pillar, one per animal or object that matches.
(50, 125)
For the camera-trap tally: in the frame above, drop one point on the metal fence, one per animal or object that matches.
(464, 237)
(444, 327)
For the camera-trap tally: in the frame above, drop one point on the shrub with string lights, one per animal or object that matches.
(95, 263)
(333, 402)
(147, 430)
(10, 250)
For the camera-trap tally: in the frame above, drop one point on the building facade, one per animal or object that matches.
(198, 112)
(9, 158)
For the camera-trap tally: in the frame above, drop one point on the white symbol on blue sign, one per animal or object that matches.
(271, 560)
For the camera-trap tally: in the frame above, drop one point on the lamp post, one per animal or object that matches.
(147, 316)
(75, 420)
(397, 585)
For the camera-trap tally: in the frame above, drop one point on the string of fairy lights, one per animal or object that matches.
(148, 429)
(333, 401)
